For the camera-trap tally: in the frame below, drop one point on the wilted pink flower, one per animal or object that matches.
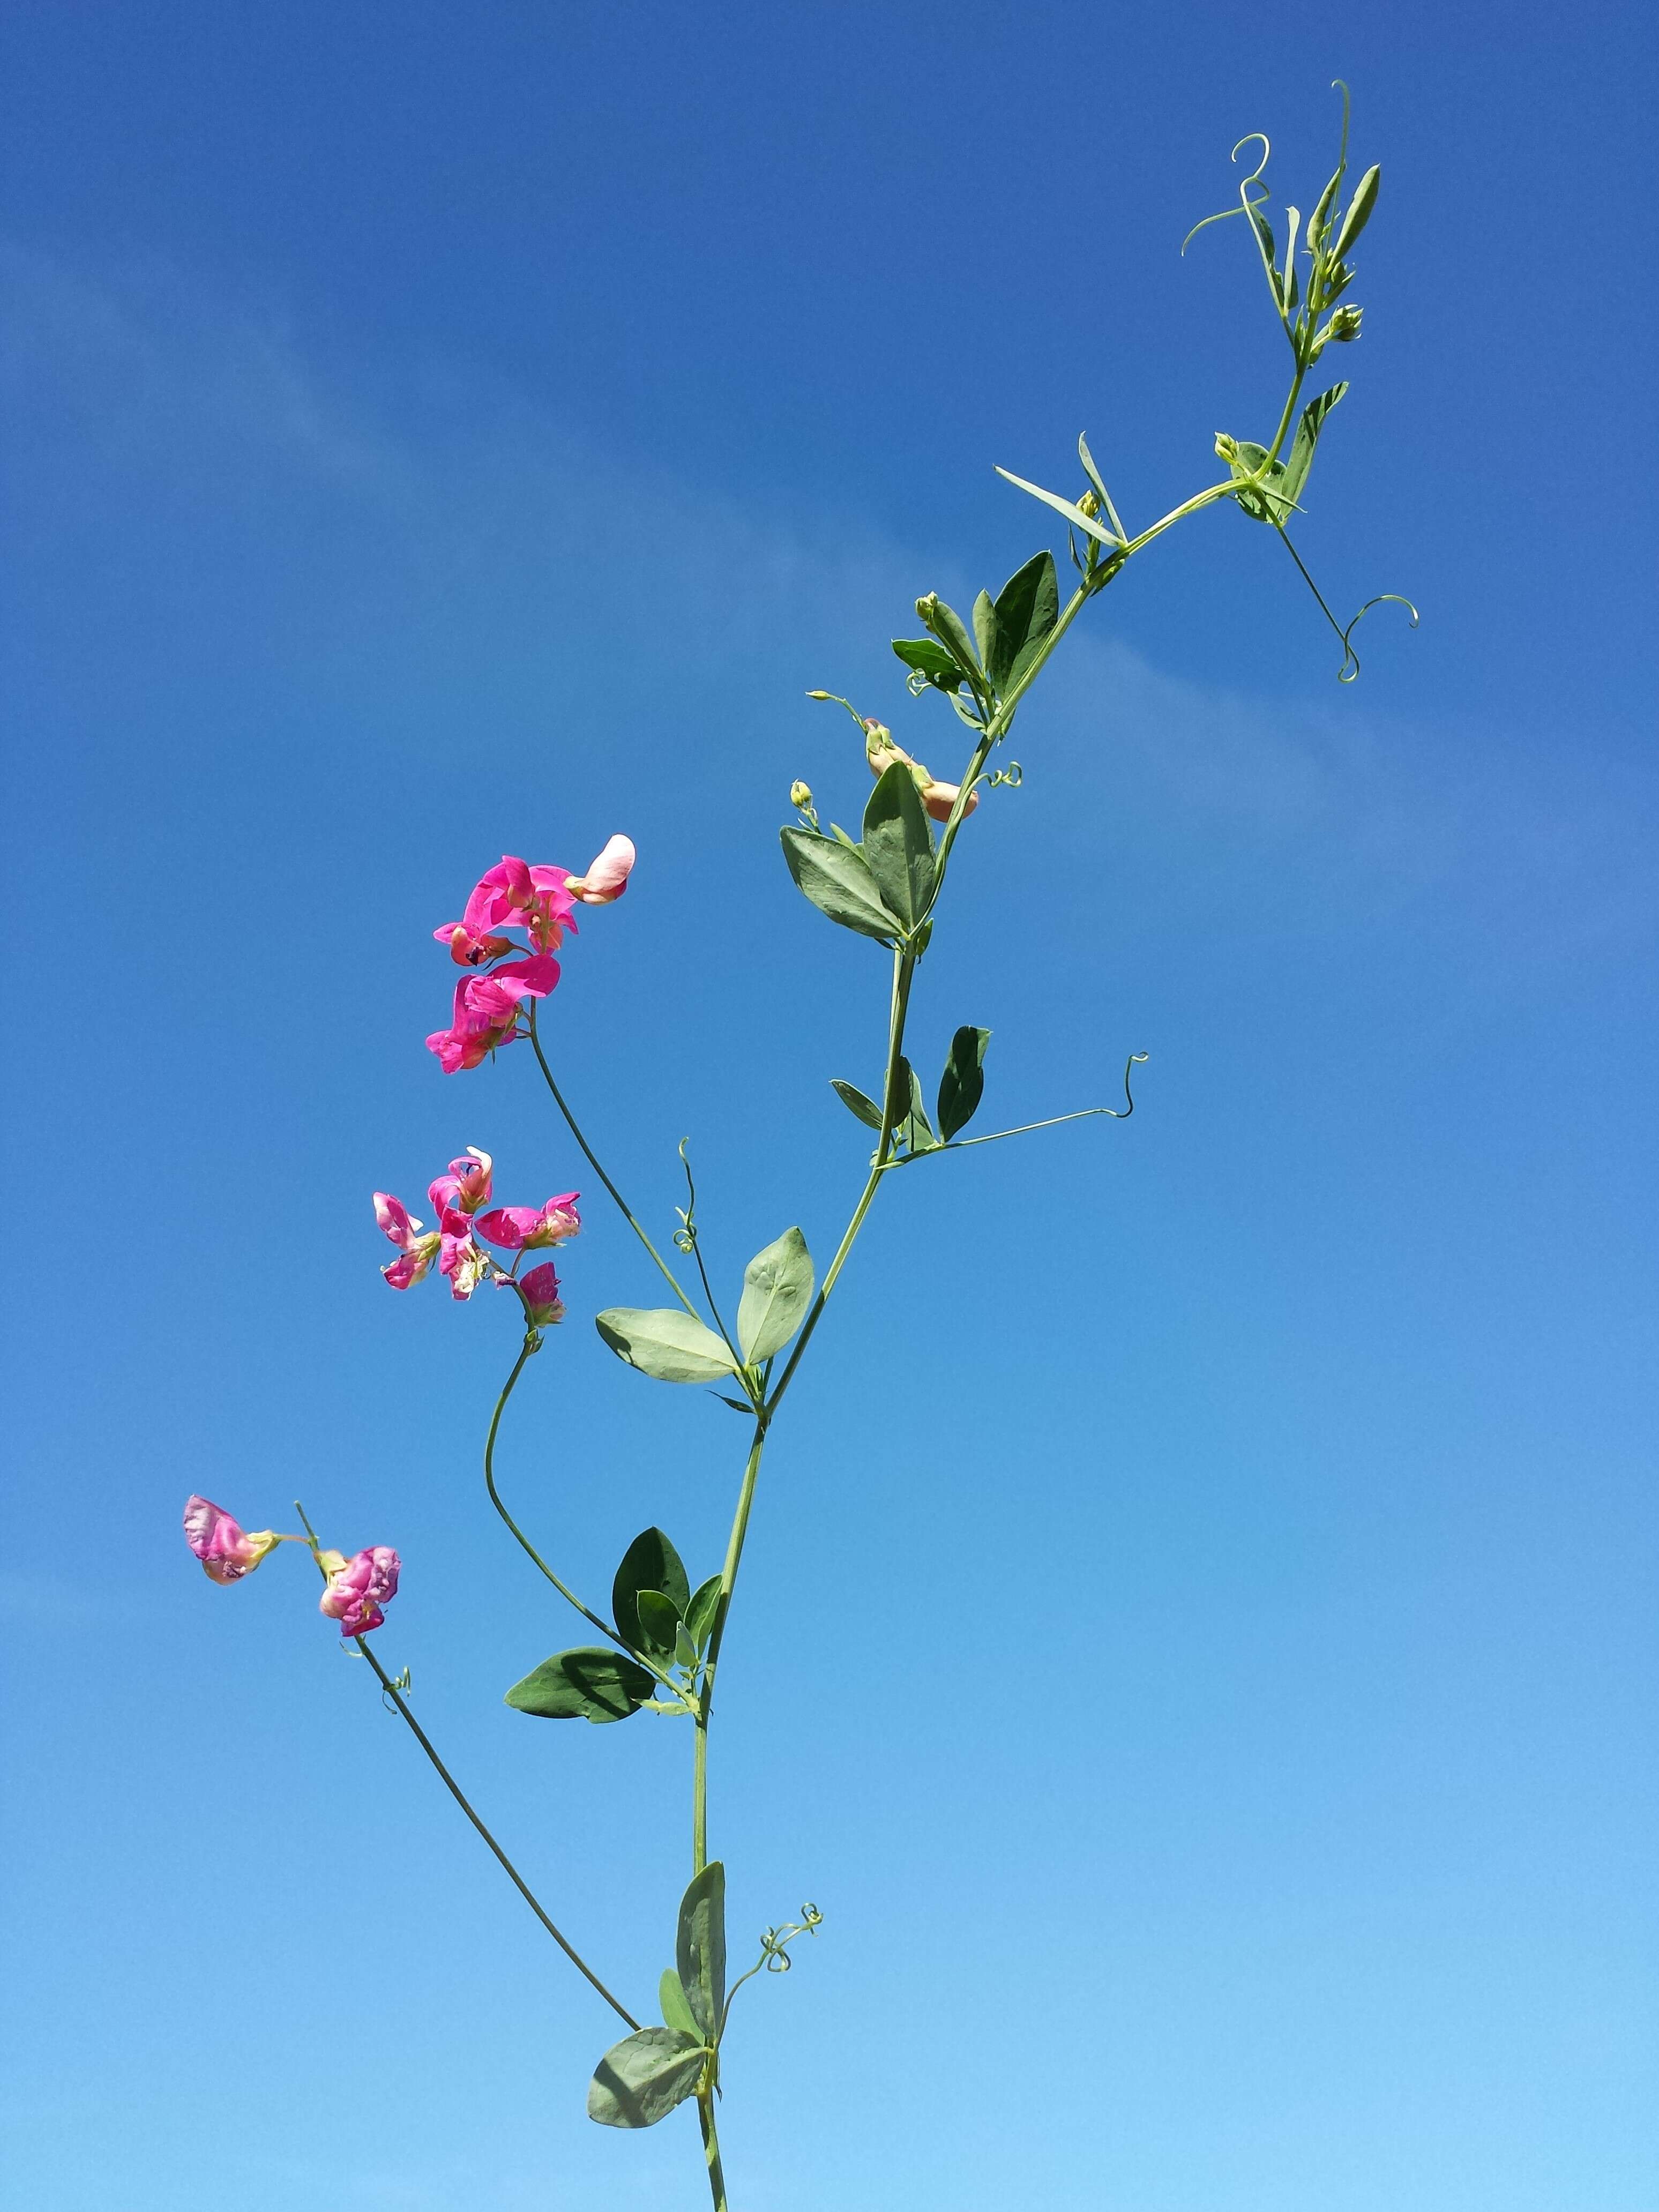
(465, 1263)
(360, 1588)
(529, 1228)
(225, 1552)
(486, 1012)
(607, 876)
(416, 1252)
(511, 896)
(540, 1292)
(467, 1184)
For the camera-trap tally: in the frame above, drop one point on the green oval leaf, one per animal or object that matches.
(929, 658)
(676, 2012)
(700, 1614)
(898, 844)
(672, 1345)
(649, 1564)
(962, 1084)
(589, 1685)
(836, 878)
(699, 1947)
(777, 1288)
(641, 2080)
(856, 1102)
(1027, 609)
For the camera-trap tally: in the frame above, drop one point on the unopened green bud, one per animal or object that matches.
(878, 738)
(1226, 448)
(1089, 504)
(1345, 325)
(927, 606)
(800, 795)
(818, 695)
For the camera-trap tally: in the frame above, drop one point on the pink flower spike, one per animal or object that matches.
(540, 1292)
(529, 1228)
(225, 1552)
(607, 876)
(467, 1184)
(360, 1588)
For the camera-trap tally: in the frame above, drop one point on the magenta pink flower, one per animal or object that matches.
(225, 1552)
(530, 1228)
(512, 896)
(416, 1252)
(466, 1185)
(465, 1261)
(360, 1588)
(540, 1292)
(607, 876)
(486, 1012)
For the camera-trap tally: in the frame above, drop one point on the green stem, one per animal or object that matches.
(531, 1344)
(591, 1158)
(716, 1638)
(392, 1691)
(711, 2150)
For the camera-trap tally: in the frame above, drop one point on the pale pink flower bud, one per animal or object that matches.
(226, 1552)
(607, 876)
(937, 798)
(360, 1588)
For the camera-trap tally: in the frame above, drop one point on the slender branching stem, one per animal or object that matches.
(390, 1689)
(591, 1158)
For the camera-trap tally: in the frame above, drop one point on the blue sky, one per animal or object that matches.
(1197, 1640)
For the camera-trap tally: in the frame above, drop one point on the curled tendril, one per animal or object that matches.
(685, 1236)
(400, 1682)
(775, 1942)
(1014, 776)
(1123, 1113)
(1350, 667)
(1245, 202)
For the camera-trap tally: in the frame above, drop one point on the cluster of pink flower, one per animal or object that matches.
(359, 1589)
(541, 902)
(457, 1195)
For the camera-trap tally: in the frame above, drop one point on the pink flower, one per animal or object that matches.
(225, 1552)
(529, 1228)
(540, 1292)
(936, 797)
(416, 1252)
(511, 896)
(607, 876)
(360, 1588)
(486, 1012)
(464, 1261)
(466, 1185)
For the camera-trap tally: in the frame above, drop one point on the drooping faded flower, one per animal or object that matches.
(359, 1589)
(225, 1552)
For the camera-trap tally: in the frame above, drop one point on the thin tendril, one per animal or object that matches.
(1350, 667)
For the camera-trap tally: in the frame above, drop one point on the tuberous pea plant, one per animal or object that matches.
(658, 1647)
